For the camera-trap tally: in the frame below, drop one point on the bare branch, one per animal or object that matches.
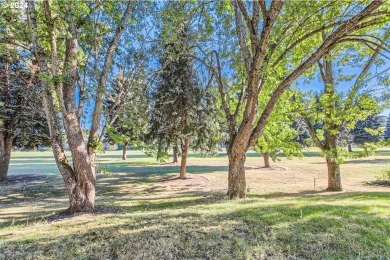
(364, 72)
(104, 75)
(241, 38)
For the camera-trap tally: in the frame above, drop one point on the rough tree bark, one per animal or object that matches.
(6, 140)
(327, 75)
(266, 160)
(63, 165)
(334, 176)
(236, 181)
(175, 152)
(6, 135)
(184, 156)
(125, 146)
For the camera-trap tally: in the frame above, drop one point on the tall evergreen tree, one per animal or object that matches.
(182, 113)
(23, 121)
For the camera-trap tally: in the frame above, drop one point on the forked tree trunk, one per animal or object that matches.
(125, 145)
(80, 187)
(237, 184)
(5, 154)
(83, 194)
(79, 179)
(175, 151)
(266, 160)
(184, 156)
(334, 177)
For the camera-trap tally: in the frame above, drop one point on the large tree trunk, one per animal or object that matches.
(334, 177)
(184, 156)
(5, 154)
(83, 195)
(79, 185)
(175, 152)
(237, 184)
(266, 160)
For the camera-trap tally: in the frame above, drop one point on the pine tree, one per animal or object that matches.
(23, 121)
(183, 111)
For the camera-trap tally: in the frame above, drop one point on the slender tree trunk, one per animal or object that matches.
(237, 184)
(184, 156)
(266, 160)
(101, 89)
(349, 147)
(5, 154)
(175, 151)
(60, 158)
(334, 177)
(125, 145)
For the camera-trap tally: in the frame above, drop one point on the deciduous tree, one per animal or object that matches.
(279, 42)
(338, 112)
(59, 70)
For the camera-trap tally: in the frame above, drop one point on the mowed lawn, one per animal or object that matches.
(144, 212)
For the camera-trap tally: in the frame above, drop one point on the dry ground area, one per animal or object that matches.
(145, 212)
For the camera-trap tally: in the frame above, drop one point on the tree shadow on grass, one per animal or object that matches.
(365, 161)
(382, 152)
(358, 161)
(145, 171)
(323, 195)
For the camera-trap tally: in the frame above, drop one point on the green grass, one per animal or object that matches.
(143, 213)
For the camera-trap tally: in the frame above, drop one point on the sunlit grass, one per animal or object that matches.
(144, 213)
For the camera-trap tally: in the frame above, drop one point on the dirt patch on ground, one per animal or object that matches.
(192, 182)
(290, 177)
(17, 179)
